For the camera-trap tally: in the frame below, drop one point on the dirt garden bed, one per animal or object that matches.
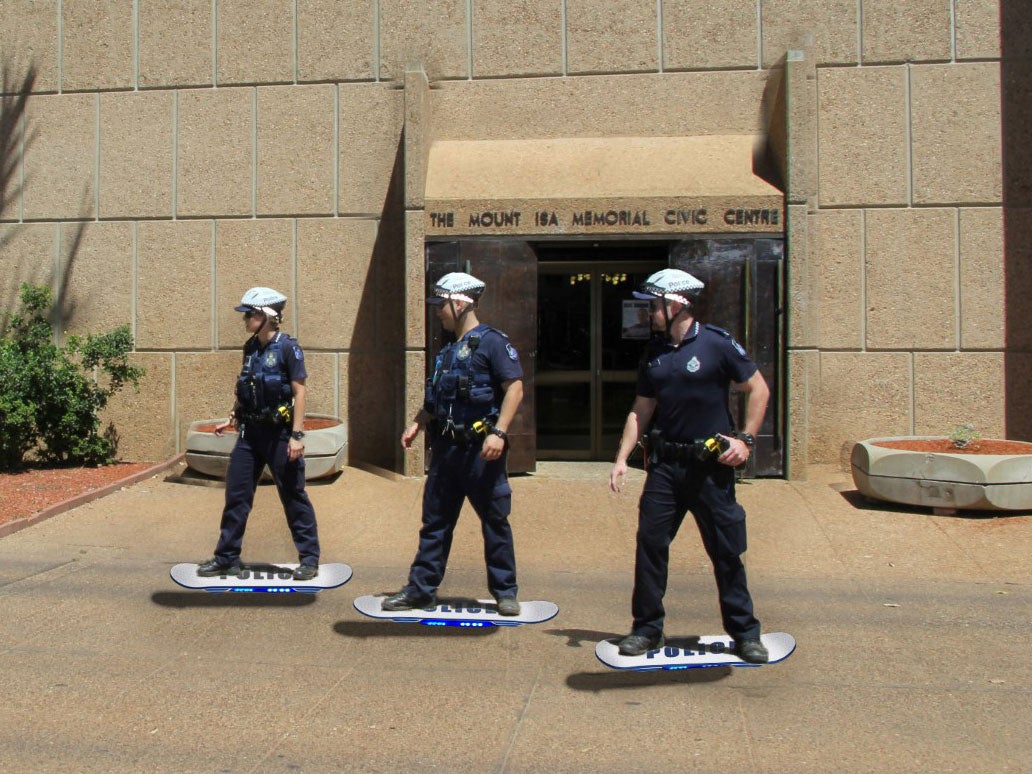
(946, 446)
(37, 488)
(310, 424)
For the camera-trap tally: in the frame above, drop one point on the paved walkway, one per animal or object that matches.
(913, 635)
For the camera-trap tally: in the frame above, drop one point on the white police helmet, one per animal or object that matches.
(671, 284)
(456, 286)
(265, 300)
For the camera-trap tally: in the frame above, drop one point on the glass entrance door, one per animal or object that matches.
(590, 337)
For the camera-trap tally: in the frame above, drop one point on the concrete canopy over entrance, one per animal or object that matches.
(596, 185)
(480, 185)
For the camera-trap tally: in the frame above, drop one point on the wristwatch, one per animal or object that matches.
(748, 438)
(500, 433)
(297, 435)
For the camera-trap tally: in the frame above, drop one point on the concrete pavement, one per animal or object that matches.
(913, 634)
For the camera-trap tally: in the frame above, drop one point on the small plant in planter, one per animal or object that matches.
(965, 437)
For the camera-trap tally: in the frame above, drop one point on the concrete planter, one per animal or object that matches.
(944, 481)
(326, 444)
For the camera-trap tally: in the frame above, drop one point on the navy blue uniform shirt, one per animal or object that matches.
(264, 380)
(690, 382)
(293, 358)
(496, 354)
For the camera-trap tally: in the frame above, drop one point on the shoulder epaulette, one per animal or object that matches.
(489, 329)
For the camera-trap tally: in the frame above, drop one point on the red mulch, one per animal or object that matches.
(310, 424)
(30, 491)
(945, 446)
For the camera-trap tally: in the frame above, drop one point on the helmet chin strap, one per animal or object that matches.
(668, 322)
(666, 315)
(268, 316)
(458, 316)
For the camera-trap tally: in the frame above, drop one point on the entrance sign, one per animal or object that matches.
(757, 215)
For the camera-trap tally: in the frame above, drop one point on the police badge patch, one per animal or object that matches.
(270, 359)
(463, 352)
(739, 348)
(512, 352)
(693, 365)
(298, 354)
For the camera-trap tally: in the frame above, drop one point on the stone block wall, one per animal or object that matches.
(904, 321)
(173, 153)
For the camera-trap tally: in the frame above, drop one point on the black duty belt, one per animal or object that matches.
(689, 452)
(458, 435)
(265, 417)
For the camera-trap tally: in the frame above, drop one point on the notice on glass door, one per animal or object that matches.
(635, 320)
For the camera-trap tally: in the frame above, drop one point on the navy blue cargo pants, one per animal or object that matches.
(258, 445)
(457, 472)
(707, 489)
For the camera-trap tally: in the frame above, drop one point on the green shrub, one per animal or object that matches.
(50, 396)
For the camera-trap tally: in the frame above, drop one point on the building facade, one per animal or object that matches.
(848, 176)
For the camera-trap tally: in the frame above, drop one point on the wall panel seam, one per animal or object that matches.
(136, 45)
(958, 285)
(659, 36)
(909, 146)
(60, 45)
(759, 34)
(215, 43)
(96, 159)
(469, 40)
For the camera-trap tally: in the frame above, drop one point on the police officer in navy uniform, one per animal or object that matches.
(682, 402)
(470, 401)
(269, 411)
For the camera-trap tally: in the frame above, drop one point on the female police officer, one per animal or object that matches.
(682, 394)
(270, 411)
(469, 403)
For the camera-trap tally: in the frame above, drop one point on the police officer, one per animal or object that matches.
(469, 403)
(269, 411)
(681, 401)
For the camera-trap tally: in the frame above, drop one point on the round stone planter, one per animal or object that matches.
(908, 470)
(326, 441)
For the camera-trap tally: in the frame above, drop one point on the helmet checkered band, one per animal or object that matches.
(261, 298)
(459, 286)
(672, 284)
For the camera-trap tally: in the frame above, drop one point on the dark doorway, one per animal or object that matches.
(569, 311)
(590, 337)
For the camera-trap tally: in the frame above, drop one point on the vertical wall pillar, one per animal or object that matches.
(799, 166)
(416, 134)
